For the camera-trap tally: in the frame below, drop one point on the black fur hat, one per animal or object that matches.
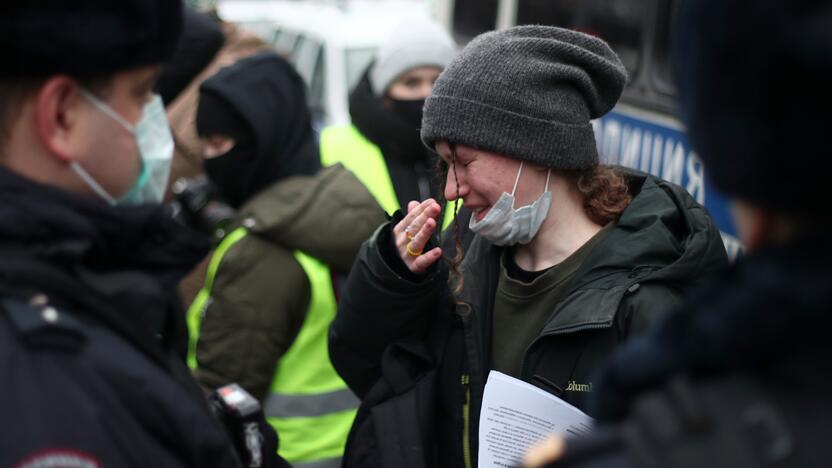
(85, 37)
(754, 91)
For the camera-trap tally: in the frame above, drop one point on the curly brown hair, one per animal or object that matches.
(605, 191)
(455, 278)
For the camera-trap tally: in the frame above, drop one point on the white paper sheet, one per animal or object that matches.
(516, 414)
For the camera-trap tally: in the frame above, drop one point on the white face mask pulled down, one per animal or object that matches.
(504, 225)
(155, 144)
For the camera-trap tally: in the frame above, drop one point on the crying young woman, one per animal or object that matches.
(569, 258)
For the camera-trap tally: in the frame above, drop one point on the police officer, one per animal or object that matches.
(91, 339)
(740, 377)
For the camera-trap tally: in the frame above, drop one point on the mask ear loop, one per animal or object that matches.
(548, 174)
(103, 107)
(517, 179)
(95, 186)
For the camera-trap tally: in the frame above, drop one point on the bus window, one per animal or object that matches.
(619, 22)
(473, 17)
(661, 74)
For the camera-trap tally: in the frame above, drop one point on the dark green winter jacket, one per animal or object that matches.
(261, 294)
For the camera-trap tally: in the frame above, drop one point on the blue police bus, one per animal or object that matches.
(642, 131)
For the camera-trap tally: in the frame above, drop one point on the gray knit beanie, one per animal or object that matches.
(413, 43)
(529, 93)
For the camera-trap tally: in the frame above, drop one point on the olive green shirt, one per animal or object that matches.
(522, 309)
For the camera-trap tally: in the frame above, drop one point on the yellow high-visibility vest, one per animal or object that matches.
(346, 145)
(308, 404)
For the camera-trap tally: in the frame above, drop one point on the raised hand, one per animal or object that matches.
(413, 233)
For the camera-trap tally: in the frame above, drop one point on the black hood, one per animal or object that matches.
(121, 264)
(773, 306)
(268, 95)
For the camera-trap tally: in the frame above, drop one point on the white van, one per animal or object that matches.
(330, 43)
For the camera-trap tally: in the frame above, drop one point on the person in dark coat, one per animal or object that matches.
(569, 258)
(92, 337)
(740, 377)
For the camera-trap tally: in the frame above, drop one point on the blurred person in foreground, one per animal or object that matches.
(92, 336)
(381, 145)
(269, 296)
(569, 257)
(742, 377)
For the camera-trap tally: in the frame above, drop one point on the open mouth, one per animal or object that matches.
(479, 213)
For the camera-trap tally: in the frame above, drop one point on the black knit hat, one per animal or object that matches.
(527, 92)
(755, 95)
(85, 37)
(201, 39)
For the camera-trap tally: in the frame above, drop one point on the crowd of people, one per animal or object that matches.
(191, 276)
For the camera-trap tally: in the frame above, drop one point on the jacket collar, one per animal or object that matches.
(121, 264)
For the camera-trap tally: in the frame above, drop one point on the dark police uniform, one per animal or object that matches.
(91, 338)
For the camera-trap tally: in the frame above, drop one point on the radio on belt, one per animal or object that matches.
(241, 413)
(238, 400)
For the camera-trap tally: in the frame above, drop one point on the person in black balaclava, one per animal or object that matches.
(382, 145)
(269, 295)
(272, 138)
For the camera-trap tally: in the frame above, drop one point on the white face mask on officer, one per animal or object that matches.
(155, 144)
(504, 225)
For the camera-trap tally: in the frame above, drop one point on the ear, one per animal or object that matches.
(755, 226)
(59, 111)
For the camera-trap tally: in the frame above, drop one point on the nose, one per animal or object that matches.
(425, 88)
(455, 187)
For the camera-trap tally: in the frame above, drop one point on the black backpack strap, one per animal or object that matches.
(733, 422)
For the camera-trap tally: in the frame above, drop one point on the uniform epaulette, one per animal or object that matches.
(40, 325)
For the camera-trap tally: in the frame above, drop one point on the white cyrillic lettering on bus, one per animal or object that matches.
(630, 144)
(674, 161)
(646, 143)
(696, 178)
(612, 139)
(655, 164)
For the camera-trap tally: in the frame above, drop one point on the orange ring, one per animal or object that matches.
(411, 252)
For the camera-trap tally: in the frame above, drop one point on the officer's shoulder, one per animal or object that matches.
(37, 325)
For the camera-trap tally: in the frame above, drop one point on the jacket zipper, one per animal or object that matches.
(465, 380)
